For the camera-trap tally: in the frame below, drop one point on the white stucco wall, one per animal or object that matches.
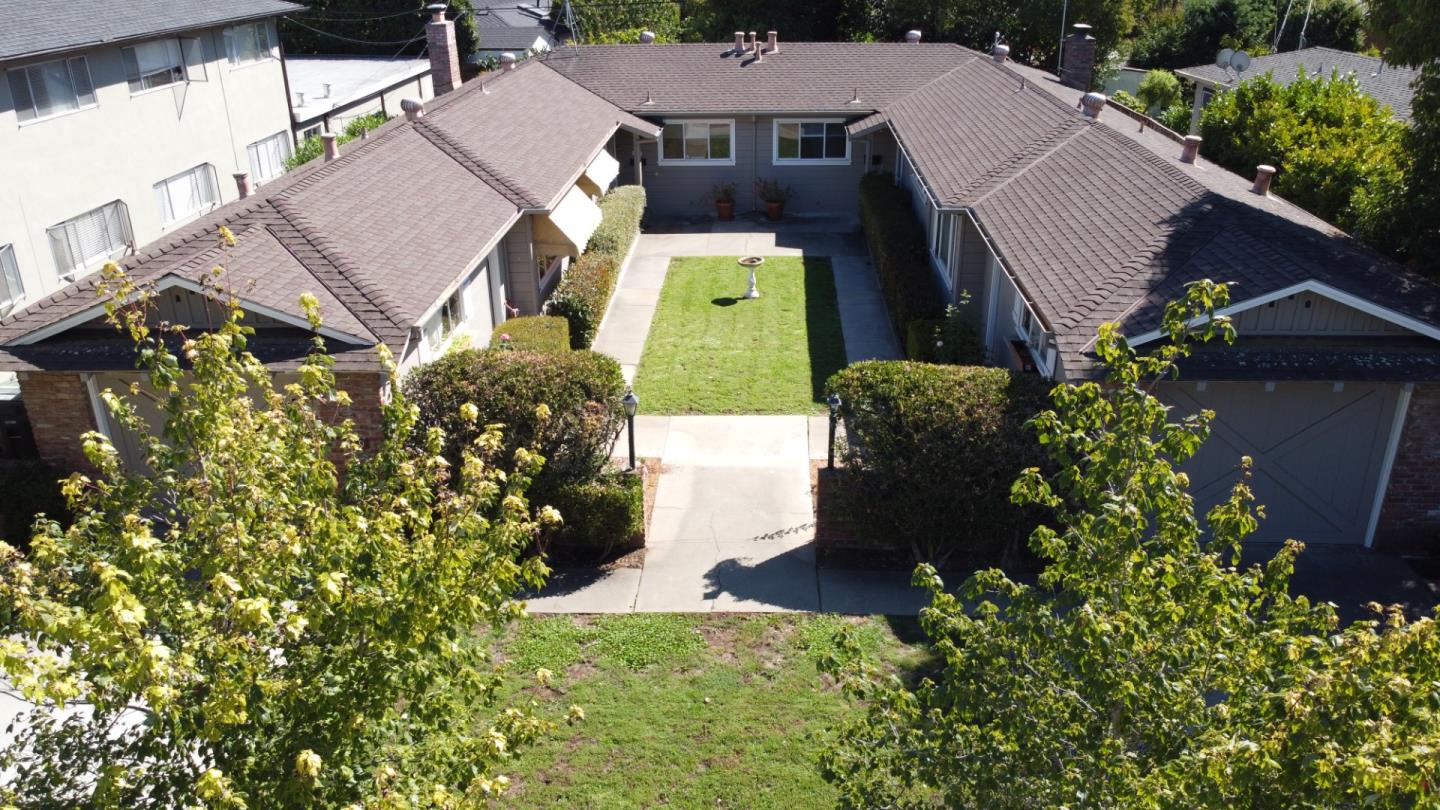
(59, 167)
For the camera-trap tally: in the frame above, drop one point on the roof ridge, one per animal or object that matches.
(1031, 149)
(496, 179)
(1052, 148)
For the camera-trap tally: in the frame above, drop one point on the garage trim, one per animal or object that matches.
(1392, 446)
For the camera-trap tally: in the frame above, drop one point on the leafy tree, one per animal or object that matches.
(1339, 153)
(1200, 29)
(1143, 669)
(1176, 117)
(285, 613)
(1159, 90)
(312, 147)
(1336, 24)
(373, 27)
(605, 22)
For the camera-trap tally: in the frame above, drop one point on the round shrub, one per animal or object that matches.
(608, 512)
(582, 391)
(932, 452)
(535, 333)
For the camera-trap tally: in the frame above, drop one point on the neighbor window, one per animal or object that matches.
(451, 315)
(267, 156)
(51, 88)
(90, 237)
(187, 193)
(11, 289)
(811, 142)
(154, 64)
(942, 244)
(249, 43)
(698, 142)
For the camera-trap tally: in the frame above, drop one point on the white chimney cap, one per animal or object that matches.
(647, 37)
(913, 35)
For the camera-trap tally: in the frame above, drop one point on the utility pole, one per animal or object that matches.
(1060, 57)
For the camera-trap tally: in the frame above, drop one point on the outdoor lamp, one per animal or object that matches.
(632, 404)
(834, 402)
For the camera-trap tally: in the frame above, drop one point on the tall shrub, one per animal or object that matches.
(897, 243)
(584, 293)
(931, 455)
(620, 212)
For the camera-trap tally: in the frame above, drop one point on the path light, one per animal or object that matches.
(632, 404)
(834, 402)
(752, 262)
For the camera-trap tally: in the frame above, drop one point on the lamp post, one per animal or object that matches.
(834, 402)
(632, 404)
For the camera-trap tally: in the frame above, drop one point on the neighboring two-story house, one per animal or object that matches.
(123, 120)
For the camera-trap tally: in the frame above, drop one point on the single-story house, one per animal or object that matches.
(1388, 84)
(514, 27)
(326, 92)
(1047, 213)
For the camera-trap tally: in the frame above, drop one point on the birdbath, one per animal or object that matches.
(752, 262)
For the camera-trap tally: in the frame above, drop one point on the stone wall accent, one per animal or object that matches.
(1410, 517)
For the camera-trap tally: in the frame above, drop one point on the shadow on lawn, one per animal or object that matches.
(823, 334)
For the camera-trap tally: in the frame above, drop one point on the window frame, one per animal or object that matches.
(943, 236)
(449, 317)
(777, 160)
(689, 161)
(182, 66)
(286, 152)
(205, 205)
(69, 62)
(231, 53)
(12, 284)
(127, 238)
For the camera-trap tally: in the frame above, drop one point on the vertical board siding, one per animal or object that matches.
(522, 280)
(1311, 314)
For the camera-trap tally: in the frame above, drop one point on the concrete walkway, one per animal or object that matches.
(733, 525)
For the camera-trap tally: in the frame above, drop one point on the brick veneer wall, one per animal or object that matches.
(365, 390)
(1410, 517)
(60, 411)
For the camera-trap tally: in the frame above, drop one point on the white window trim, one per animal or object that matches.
(205, 207)
(184, 68)
(52, 116)
(660, 144)
(945, 267)
(16, 297)
(776, 160)
(228, 39)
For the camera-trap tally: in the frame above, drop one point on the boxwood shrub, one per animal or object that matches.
(606, 513)
(620, 213)
(535, 333)
(897, 243)
(582, 390)
(932, 452)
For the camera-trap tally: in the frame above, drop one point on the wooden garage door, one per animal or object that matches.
(1317, 450)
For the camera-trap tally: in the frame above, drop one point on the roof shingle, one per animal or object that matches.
(32, 28)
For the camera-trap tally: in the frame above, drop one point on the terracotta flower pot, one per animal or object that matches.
(774, 210)
(725, 209)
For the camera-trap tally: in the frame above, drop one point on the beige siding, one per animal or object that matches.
(522, 282)
(1311, 314)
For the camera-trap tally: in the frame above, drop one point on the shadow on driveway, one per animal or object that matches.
(1352, 577)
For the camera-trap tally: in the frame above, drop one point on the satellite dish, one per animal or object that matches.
(1240, 61)
(1222, 60)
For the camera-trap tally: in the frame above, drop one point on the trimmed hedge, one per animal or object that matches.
(949, 340)
(606, 513)
(932, 452)
(584, 292)
(534, 333)
(28, 489)
(582, 390)
(897, 244)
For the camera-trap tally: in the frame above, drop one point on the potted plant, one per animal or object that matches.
(774, 196)
(724, 196)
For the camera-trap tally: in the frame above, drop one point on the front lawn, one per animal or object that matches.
(711, 351)
(683, 710)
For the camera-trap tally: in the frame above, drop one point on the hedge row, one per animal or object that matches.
(897, 244)
(535, 333)
(584, 292)
(608, 512)
(947, 340)
(931, 454)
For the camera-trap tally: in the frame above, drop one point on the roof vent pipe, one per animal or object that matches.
(647, 37)
(1092, 103)
(1190, 149)
(772, 41)
(327, 89)
(912, 36)
(331, 144)
(507, 61)
(242, 184)
(754, 43)
(300, 96)
(999, 52)
(1263, 173)
(739, 42)
(414, 108)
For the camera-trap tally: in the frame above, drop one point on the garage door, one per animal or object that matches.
(1317, 450)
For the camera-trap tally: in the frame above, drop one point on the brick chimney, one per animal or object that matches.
(912, 36)
(1077, 58)
(1263, 173)
(1190, 149)
(332, 145)
(414, 108)
(444, 53)
(242, 184)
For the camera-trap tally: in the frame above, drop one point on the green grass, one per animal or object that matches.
(682, 710)
(710, 351)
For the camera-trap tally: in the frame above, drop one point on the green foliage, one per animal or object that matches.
(582, 296)
(1338, 24)
(285, 634)
(605, 513)
(603, 22)
(931, 454)
(951, 340)
(620, 213)
(313, 147)
(29, 490)
(770, 191)
(1176, 117)
(1159, 90)
(1338, 152)
(581, 417)
(547, 642)
(822, 635)
(633, 640)
(536, 333)
(1192, 34)
(1143, 669)
(373, 28)
(897, 244)
(1127, 101)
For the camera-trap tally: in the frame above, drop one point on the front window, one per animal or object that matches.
(187, 193)
(51, 88)
(268, 156)
(943, 243)
(698, 142)
(811, 142)
(11, 289)
(91, 237)
(249, 43)
(443, 324)
(154, 64)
